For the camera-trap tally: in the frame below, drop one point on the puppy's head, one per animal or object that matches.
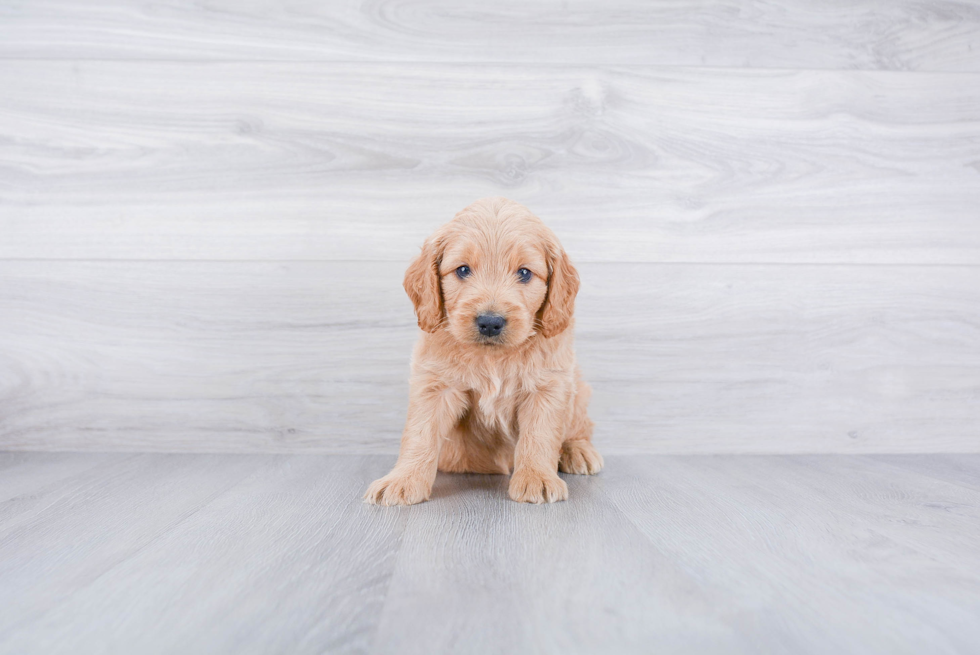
(493, 277)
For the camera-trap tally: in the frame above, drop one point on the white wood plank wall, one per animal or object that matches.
(206, 209)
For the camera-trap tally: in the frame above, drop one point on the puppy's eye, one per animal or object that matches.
(524, 275)
(463, 272)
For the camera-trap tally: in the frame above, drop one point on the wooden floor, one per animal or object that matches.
(168, 553)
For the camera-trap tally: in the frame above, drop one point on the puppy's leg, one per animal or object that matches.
(432, 412)
(541, 422)
(578, 455)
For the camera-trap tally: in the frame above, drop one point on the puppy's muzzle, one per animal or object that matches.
(490, 325)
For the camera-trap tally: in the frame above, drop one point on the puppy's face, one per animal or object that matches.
(493, 277)
(492, 286)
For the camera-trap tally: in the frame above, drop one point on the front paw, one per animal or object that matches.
(396, 489)
(533, 487)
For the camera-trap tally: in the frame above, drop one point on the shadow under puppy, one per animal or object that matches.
(494, 385)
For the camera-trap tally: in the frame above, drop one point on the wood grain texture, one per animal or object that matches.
(313, 357)
(205, 211)
(722, 554)
(827, 538)
(577, 577)
(285, 560)
(950, 468)
(22, 474)
(899, 35)
(326, 161)
(69, 533)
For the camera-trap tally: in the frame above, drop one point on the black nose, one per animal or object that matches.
(490, 324)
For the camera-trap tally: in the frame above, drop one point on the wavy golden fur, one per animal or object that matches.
(484, 401)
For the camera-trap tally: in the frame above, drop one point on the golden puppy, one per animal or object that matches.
(494, 384)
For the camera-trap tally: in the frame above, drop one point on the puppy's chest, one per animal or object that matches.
(494, 401)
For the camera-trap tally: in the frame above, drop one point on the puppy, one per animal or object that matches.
(494, 385)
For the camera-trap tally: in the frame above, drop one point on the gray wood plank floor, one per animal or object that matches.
(276, 553)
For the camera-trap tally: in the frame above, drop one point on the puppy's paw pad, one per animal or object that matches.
(530, 487)
(580, 458)
(397, 490)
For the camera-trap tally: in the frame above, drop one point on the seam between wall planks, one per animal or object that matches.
(409, 63)
(408, 257)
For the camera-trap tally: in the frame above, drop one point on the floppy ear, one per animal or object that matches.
(559, 304)
(422, 285)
